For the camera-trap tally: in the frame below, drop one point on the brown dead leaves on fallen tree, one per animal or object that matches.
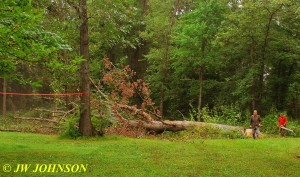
(122, 89)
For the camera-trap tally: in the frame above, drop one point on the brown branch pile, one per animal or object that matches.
(122, 90)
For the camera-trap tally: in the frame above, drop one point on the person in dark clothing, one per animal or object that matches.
(255, 122)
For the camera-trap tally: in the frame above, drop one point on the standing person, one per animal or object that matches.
(255, 122)
(282, 123)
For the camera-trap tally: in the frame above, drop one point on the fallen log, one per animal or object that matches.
(10, 130)
(155, 126)
(51, 111)
(248, 133)
(38, 119)
(161, 126)
(57, 113)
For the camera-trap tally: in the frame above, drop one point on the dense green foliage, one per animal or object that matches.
(24, 40)
(119, 156)
(235, 55)
(194, 54)
(248, 51)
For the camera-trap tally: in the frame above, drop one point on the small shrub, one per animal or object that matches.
(71, 127)
(270, 125)
(293, 125)
(205, 113)
(229, 115)
(100, 124)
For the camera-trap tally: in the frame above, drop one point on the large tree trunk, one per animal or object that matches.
(161, 126)
(85, 124)
(4, 97)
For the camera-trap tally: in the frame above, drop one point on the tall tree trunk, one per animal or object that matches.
(201, 72)
(253, 103)
(200, 93)
(11, 104)
(166, 57)
(162, 94)
(253, 89)
(4, 97)
(85, 124)
(279, 86)
(263, 58)
(144, 6)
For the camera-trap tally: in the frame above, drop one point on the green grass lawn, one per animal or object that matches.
(120, 156)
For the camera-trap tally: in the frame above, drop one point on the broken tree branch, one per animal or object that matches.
(99, 91)
(136, 111)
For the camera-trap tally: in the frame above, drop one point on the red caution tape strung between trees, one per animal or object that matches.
(44, 94)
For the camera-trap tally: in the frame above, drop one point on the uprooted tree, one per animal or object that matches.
(117, 90)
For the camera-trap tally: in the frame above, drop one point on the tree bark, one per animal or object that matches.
(4, 97)
(85, 124)
(174, 126)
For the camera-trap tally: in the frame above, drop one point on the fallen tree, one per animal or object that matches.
(174, 126)
(158, 126)
(123, 88)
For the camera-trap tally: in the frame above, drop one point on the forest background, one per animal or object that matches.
(203, 60)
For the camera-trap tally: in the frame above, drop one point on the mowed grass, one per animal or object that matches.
(120, 156)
